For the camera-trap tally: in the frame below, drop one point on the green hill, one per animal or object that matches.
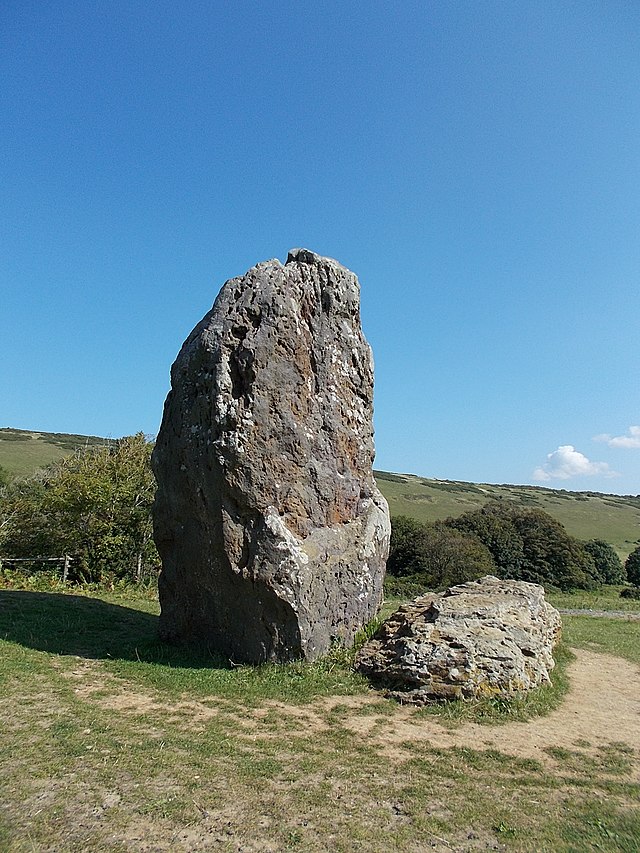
(24, 451)
(586, 515)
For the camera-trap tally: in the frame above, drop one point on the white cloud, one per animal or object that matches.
(567, 462)
(632, 439)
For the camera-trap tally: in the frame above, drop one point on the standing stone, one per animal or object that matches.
(272, 533)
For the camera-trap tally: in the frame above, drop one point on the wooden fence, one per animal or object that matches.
(64, 561)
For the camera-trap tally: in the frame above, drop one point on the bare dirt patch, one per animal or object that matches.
(602, 707)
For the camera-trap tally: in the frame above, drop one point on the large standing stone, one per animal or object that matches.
(487, 637)
(272, 533)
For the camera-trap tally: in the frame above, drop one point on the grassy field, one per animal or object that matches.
(586, 515)
(602, 599)
(23, 451)
(111, 741)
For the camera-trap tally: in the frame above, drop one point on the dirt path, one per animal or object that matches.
(601, 707)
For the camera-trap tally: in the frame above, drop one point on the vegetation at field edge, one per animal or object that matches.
(585, 515)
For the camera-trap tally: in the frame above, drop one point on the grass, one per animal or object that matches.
(109, 740)
(615, 636)
(120, 629)
(23, 451)
(619, 637)
(604, 598)
(586, 515)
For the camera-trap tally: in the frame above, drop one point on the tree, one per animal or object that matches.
(494, 526)
(551, 555)
(94, 506)
(432, 555)
(407, 548)
(529, 545)
(22, 524)
(608, 565)
(632, 566)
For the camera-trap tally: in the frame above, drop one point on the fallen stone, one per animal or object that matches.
(488, 637)
(272, 533)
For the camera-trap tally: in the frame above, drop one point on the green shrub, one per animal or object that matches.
(94, 505)
(432, 555)
(632, 567)
(631, 592)
(493, 525)
(608, 566)
(530, 545)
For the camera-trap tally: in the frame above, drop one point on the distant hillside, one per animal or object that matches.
(24, 451)
(586, 515)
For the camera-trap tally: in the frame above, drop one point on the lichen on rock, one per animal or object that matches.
(487, 637)
(272, 532)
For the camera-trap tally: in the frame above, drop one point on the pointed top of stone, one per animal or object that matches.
(306, 256)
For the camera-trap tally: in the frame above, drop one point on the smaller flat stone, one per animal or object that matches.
(488, 637)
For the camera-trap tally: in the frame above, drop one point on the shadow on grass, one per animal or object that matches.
(90, 628)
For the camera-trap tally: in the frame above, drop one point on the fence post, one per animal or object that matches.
(65, 571)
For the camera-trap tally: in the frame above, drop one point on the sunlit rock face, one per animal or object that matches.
(484, 638)
(272, 533)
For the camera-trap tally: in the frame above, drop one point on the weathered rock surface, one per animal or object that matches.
(487, 637)
(272, 533)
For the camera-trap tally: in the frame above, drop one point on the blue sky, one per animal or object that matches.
(477, 164)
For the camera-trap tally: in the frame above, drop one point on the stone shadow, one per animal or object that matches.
(64, 624)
